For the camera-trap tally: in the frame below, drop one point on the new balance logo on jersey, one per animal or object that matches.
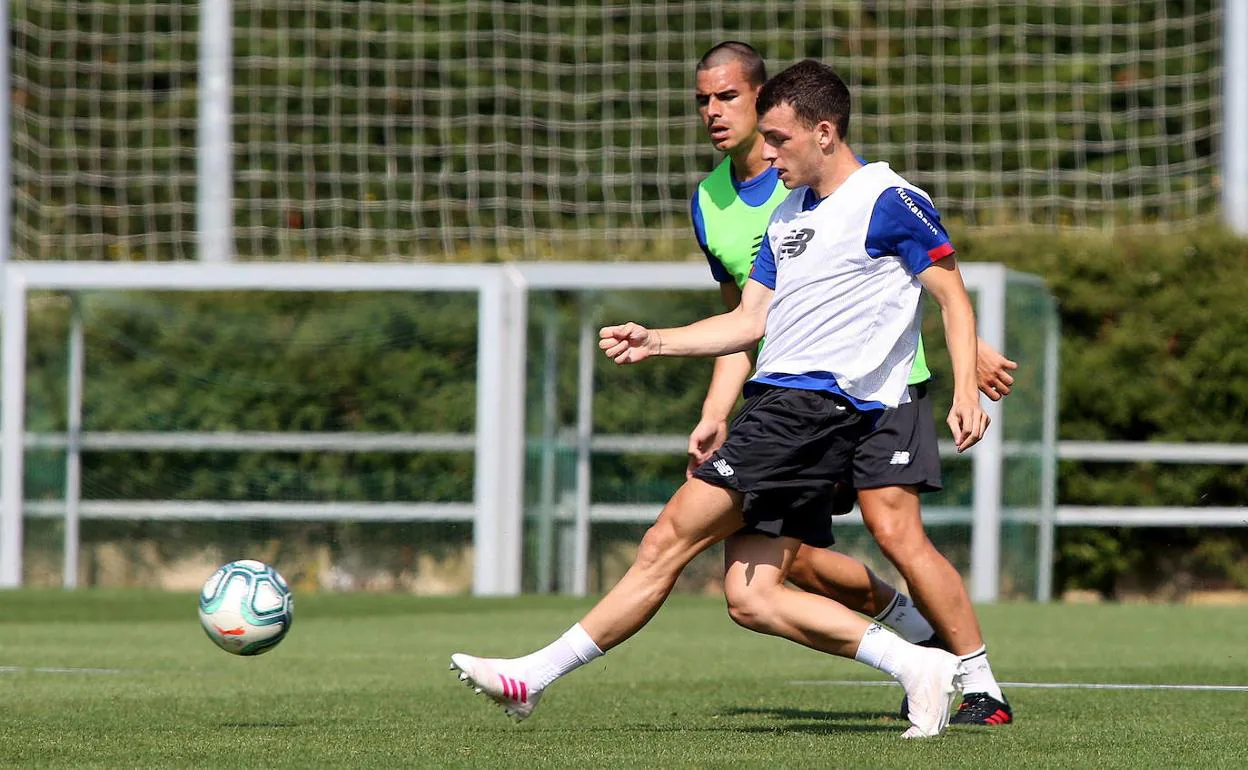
(723, 467)
(758, 244)
(795, 243)
(900, 458)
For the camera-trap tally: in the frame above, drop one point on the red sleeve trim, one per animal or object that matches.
(940, 252)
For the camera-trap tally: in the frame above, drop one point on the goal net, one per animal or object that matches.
(389, 129)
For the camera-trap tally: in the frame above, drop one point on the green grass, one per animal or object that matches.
(362, 682)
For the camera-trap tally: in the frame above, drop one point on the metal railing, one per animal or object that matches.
(114, 441)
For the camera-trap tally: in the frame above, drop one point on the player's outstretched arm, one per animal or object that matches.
(730, 332)
(967, 419)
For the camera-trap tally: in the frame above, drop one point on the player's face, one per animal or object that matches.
(794, 150)
(726, 106)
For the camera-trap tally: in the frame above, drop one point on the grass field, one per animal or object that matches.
(362, 682)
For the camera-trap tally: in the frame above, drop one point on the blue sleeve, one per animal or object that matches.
(905, 224)
(764, 270)
(699, 232)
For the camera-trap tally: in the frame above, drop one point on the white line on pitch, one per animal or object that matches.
(56, 670)
(1040, 685)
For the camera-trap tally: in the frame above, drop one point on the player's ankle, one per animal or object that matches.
(904, 618)
(979, 676)
(559, 658)
(883, 650)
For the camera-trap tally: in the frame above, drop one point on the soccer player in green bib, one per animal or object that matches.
(731, 209)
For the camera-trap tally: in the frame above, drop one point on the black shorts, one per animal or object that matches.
(902, 450)
(790, 453)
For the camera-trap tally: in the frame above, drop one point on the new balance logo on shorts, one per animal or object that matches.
(900, 458)
(723, 467)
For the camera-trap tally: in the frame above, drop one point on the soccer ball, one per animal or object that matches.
(246, 608)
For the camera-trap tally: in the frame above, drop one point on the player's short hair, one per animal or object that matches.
(734, 50)
(814, 91)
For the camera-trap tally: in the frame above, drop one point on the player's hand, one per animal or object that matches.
(629, 343)
(707, 436)
(992, 371)
(969, 422)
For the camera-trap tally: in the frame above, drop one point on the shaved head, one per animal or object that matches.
(735, 51)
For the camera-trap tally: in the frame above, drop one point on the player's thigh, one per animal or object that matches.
(823, 570)
(756, 563)
(893, 516)
(902, 449)
(804, 571)
(697, 516)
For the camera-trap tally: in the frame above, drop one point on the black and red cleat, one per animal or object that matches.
(980, 708)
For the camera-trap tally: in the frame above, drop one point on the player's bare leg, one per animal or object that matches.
(841, 578)
(892, 514)
(756, 567)
(698, 516)
(848, 581)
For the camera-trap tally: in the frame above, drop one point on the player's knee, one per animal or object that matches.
(892, 516)
(895, 500)
(749, 606)
(657, 546)
(898, 536)
(745, 612)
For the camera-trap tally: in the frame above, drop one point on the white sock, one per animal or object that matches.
(884, 650)
(562, 656)
(903, 617)
(979, 676)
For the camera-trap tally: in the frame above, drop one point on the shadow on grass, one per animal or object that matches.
(783, 719)
(775, 720)
(260, 725)
(791, 713)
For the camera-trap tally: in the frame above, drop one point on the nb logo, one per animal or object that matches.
(795, 243)
(723, 467)
(900, 458)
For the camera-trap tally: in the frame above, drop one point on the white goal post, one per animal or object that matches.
(497, 488)
(497, 506)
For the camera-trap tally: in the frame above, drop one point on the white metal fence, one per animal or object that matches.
(498, 443)
(496, 510)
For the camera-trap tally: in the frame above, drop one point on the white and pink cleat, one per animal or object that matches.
(495, 677)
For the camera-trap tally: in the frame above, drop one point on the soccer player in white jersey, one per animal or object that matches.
(836, 291)
(893, 465)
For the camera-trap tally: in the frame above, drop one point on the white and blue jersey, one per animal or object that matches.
(845, 315)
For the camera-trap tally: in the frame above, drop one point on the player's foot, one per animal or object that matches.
(932, 685)
(934, 642)
(980, 708)
(496, 678)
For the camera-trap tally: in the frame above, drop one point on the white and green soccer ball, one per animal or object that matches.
(246, 607)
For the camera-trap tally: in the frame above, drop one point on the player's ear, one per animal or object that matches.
(825, 134)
